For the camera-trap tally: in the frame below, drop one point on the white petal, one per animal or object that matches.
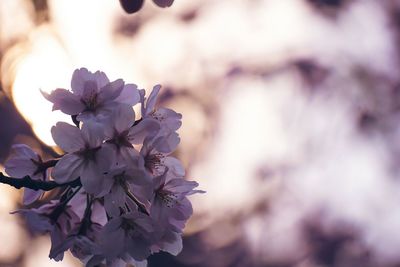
(67, 137)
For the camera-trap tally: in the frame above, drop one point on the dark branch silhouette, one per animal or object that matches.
(28, 182)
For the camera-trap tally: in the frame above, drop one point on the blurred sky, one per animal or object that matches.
(290, 119)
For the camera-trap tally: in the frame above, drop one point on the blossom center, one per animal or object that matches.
(88, 153)
(120, 140)
(157, 115)
(130, 227)
(154, 162)
(90, 97)
(168, 198)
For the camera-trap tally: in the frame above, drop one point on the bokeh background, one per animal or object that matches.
(291, 119)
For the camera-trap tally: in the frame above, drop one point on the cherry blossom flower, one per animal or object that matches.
(82, 238)
(86, 157)
(121, 132)
(56, 218)
(130, 233)
(155, 152)
(170, 120)
(93, 95)
(24, 161)
(121, 182)
(170, 205)
(128, 204)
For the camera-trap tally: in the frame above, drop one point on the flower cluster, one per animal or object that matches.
(121, 196)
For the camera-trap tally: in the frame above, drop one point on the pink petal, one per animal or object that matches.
(137, 248)
(174, 166)
(62, 247)
(137, 176)
(98, 214)
(56, 237)
(90, 91)
(167, 144)
(182, 213)
(179, 185)
(151, 101)
(112, 238)
(139, 132)
(115, 199)
(110, 91)
(173, 245)
(35, 220)
(31, 196)
(129, 95)
(128, 155)
(100, 78)
(123, 117)
(92, 133)
(68, 168)
(68, 137)
(80, 77)
(19, 168)
(91, 178)
(20, 163)
(65, 101)
(170, 118)
(86, 116)
(24, 151)
(104, 159)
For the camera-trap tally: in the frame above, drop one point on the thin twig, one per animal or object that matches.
(142, 208)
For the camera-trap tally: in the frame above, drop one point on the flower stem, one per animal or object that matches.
(141, 206)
